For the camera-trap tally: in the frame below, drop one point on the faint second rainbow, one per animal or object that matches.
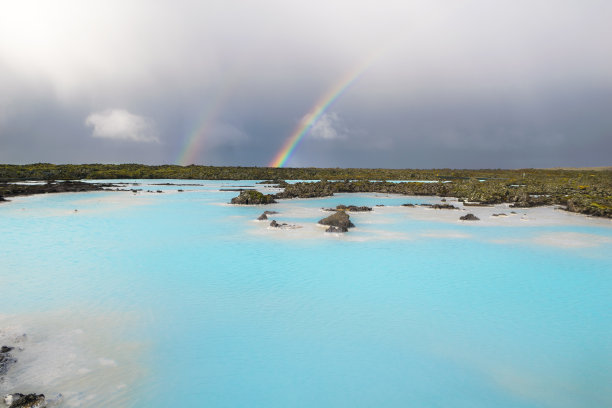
(196, 138)
(318, 110)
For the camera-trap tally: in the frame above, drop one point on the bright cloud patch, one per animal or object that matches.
(329, 127)
(120, 124)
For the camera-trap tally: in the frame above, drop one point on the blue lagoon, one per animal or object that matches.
(160, 299)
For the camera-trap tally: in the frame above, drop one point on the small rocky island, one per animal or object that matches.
(253, 197)
(337, 222)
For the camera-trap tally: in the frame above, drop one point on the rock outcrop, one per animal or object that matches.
(6, 359)
(12, 190)
(339, 219)
(18, 400)
(336, 229)
(253, 197)
(469, 217)
(284, 225)
(352, 208)
(440, 206)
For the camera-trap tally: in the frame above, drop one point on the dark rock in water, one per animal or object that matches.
(440, 206)
(443, 200)
(18, 400)
(512, 212)
(499, 215)
(444, 207)
(253, 197)
(469, 217)
(408, 205)
(352, 208)
(6, 359)
(270, 212)
(338, 219)
(262, 217)
(380, 205)
(284, 225)
(180, 191)
(336, 229)
(2, 199)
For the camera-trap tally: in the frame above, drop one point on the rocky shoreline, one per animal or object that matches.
(17, 399)
(14, 190)
(594, 200)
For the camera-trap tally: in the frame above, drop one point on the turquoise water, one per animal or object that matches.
(164, 298)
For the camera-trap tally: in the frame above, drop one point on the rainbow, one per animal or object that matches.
(318, 110)
(194, 141)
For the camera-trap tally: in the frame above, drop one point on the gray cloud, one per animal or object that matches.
(457, 84)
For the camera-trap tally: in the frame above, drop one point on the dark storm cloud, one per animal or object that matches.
(457, 84)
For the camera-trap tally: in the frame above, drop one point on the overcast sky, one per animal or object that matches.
(465, 84)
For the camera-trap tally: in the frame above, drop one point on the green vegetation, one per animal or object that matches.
(587, 191)
(252, 197)
(536, 190)
(45, 171)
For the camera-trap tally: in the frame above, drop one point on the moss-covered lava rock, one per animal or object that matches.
(253, 197)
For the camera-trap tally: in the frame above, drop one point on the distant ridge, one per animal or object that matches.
(600, 168)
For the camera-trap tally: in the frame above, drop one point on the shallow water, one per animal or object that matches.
(149, 299)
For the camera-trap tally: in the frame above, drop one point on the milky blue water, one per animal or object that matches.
(179, 297)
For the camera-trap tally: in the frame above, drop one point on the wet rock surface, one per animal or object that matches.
(7, 360)
(469, 217)
(336, 229)
(339, 219)
(18, 400)
(283, 225)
